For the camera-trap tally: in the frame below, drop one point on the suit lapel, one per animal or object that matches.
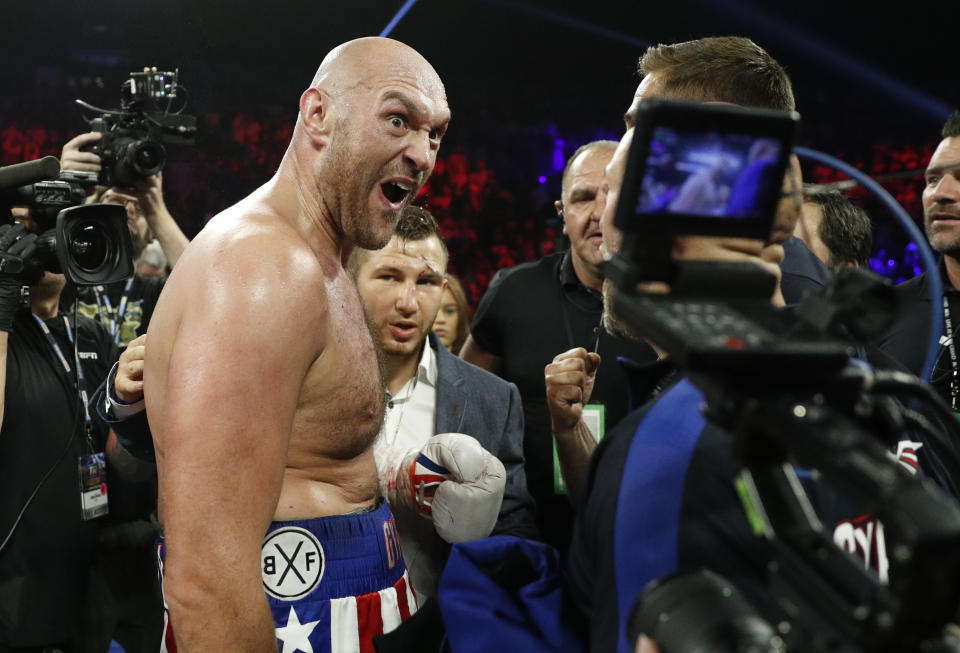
(451, 396)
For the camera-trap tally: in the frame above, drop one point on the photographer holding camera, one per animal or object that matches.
(125, 307)
(51, 452)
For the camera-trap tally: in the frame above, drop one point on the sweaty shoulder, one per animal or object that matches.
(248, 258)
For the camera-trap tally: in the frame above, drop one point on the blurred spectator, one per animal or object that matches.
(482, 199)
(452, 325)
(151, 262)
(835, 229)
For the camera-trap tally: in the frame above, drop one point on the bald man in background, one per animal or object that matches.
(262, 385)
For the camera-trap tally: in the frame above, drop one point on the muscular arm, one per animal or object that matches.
(240, 346)
(474, 353)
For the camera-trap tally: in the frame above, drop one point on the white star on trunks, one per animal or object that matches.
(296, 636)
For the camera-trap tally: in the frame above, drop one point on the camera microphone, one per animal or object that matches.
(21, 174)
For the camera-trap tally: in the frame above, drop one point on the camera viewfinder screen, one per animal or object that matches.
(705, 173)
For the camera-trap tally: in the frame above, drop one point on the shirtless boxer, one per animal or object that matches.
(262, 384)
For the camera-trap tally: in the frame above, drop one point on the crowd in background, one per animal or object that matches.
(490, 216)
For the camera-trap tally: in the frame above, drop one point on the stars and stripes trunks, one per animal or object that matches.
(332, 582)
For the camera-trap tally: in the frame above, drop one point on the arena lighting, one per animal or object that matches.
(926, 256)
(398, 17)
(787, 35)
(569, 21)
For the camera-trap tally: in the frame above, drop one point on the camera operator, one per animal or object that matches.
(125, 307)
(660, 492)
(47, 543)
(124, 601)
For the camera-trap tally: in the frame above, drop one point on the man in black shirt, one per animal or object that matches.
(534, 311)
(908, 337)
(46, 542)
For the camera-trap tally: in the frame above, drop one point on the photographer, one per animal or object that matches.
(125, 307)
(47, 543)
(124, 602)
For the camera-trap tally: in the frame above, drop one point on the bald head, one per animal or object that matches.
(358, 63)
(367, 134)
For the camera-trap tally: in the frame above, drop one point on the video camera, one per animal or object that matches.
(783, 385)
(90, 244)
(134, 136)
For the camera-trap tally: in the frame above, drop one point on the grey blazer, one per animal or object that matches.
(473, 401)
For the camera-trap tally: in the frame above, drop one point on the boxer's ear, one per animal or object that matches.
(316, 115)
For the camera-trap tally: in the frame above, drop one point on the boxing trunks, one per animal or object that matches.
(332, 582)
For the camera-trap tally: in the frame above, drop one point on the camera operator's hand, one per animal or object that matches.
(769, 255)
(16, 246)
(73, 159)
(569, 380)
(149, 193)
(128, 384)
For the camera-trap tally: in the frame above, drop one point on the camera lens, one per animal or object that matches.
(89, 245)
(147, 157)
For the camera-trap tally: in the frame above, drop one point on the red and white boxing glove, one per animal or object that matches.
(451, 480)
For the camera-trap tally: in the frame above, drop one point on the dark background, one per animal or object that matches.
(527, 81)
(527, 62)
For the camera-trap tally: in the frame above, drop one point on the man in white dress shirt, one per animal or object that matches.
(431, 391)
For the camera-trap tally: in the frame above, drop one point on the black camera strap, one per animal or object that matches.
(952, 349)
(80, 379)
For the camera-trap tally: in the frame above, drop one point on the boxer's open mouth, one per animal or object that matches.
(395, 192)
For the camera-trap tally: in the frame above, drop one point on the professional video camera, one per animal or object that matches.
(133, 140)
(90, 244)
(784, 386)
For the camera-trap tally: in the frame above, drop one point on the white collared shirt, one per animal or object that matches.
(411, 413)
(407, 425)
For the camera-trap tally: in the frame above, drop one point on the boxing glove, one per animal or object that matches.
(451, 480)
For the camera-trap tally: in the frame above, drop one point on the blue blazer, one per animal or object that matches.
(473, 401)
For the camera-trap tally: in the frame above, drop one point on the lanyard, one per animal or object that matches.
(952, 348)
(81, 384)
(114, 322)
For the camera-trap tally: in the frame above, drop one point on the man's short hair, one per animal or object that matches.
(592, 145)
(951, 128)
(720, 69)
(846, 229)
(415, 223)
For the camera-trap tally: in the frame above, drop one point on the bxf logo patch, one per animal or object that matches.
(291, 563)
(391, 542)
